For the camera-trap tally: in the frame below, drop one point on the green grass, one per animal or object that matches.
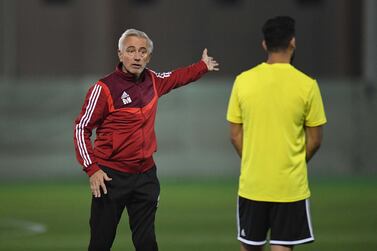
(192, 215)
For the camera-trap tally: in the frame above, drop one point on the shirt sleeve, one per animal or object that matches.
(92, 113)
(315, 113)
(234, 114)
(167, 81)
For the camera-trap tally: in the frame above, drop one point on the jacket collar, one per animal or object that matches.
(128, 76)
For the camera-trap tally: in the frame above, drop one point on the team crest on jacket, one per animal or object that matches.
(126, 98)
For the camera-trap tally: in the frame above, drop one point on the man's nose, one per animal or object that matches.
(137, 56)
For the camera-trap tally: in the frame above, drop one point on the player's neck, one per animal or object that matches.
(279, 58)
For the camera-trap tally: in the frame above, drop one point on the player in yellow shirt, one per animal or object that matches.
(276, 116)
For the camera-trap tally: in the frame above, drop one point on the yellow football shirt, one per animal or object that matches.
(274, 102)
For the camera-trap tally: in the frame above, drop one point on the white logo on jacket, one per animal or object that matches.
(126, 98)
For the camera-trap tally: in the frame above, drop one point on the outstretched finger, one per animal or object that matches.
(104, 189)
(95, 189)
(97, 193)
(214, 67)
(107, 178)
(205, 53)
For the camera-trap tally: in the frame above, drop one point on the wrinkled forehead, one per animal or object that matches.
(135, 41)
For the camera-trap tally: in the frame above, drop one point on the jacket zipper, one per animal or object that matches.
(142, 132)
(142, 129)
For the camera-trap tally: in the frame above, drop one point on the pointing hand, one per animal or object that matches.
(212, 65)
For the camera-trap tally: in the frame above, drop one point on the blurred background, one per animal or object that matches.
(52, 51)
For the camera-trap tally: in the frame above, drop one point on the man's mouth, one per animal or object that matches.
(137, 66)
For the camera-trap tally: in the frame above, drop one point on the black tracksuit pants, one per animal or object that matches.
(139, 194)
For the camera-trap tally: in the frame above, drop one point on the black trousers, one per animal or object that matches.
(139, 194)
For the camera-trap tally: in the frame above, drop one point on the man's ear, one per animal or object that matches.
(293, 42)
(264, 45)
(120, 55)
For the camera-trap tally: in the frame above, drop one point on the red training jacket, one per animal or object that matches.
(123, 111)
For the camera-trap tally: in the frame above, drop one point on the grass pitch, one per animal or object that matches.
(192, 215)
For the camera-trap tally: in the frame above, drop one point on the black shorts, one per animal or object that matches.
(289, 223)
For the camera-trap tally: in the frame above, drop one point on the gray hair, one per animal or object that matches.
(136, 33)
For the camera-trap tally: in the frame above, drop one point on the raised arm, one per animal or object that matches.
(167, 81)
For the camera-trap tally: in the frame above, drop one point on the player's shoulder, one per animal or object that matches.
(249, 73)
(303, 77)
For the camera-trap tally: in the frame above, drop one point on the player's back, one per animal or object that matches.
(273, 100)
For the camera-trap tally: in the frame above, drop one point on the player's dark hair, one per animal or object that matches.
(278, 32)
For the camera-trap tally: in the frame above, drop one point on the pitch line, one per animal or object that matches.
(22, 227)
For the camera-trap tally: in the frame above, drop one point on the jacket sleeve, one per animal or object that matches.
(167, 81)
(92, 113)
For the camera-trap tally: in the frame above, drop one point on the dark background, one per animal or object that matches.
(73, 37)
(53, 50)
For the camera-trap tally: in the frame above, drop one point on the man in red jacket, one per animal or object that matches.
(122, 107)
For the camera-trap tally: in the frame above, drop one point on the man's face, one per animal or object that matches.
(134, 55)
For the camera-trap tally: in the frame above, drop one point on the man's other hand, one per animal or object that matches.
(97, 181)
(212, 65)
